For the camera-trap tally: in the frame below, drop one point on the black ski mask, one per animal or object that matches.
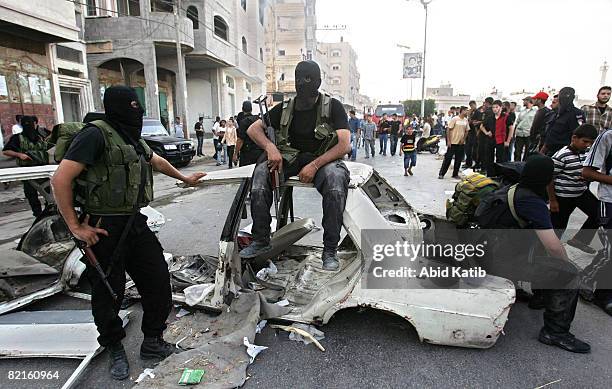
(537, 174)
(566, 99)
(307, 83)
(123, 111)
(29, 128)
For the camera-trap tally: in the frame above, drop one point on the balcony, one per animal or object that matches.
(159, 29)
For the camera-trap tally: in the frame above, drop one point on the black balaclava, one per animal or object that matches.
(537, 174)
(121, 113)
(566, 99)
(29, 128)
(307, 83)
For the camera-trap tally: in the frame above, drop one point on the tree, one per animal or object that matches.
(413, 107)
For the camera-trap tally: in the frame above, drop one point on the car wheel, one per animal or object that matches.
(182, 164)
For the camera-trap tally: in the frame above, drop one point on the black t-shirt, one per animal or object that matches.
(476, 116)
(408, 142)
(385, 125)
(488, 121)
(602, 109)
(14, 144)
(511, 119)
(533, 210)
(395, 127)
(244, 124)
(198, 127)
(301, 129)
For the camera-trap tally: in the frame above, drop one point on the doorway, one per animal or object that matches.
(71, 104)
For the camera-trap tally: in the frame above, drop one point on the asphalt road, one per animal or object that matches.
(364, 347)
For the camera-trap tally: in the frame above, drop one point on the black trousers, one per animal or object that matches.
(200, 136)
(470, 148)
(32, 196)
(488, 155)
(456, 151)
(521, 148)
(230, 156)
(501, 153)
(587, 203)
(142, 257)
(215, 143)
(394, 140)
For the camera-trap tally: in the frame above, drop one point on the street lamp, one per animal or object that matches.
(425, 3)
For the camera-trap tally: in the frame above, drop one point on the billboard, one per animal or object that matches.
(413, 65)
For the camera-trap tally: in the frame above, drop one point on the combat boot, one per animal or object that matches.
(330, 261)
(156, 348)
(565, 341)
(119, 368)
(255, 249)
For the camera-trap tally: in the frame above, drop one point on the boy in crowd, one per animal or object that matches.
(408, 148)
(569, 190)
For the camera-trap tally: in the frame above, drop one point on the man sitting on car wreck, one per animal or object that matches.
(312, 137)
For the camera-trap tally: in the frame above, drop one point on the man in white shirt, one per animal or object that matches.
(178, 128)
(523, 129)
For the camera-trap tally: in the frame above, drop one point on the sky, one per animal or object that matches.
(475, 44)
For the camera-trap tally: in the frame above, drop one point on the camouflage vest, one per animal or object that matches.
(111, 185)
(35, 150)
(323, 130)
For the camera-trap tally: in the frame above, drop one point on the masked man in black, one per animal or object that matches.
(29, 149)
(111, 169)
(562, 124)
(312, 138)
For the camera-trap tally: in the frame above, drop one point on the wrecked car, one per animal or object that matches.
(45, 261)
(458, 315)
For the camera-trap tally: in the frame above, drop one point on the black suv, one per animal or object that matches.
(177, 151)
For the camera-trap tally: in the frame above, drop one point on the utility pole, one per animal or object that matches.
(604, 72)
(425, 4)
(181, 77)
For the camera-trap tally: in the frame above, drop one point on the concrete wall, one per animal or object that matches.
(55, 18)
(199, 89)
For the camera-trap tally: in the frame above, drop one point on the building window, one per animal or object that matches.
(248, 87)
(93, 8)
(243, 4)
(68, 54)
(309, 55)
(262, 11)
(336, 67)
(192, 14)
(336, 81)
(336, 53)
(161, 6)
(221, 29)
(261, 54)
(230, 82)
(244, 45)
(128, 7)
(281, 53)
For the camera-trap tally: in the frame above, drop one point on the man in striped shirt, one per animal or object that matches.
(569, 190)
(598, 167)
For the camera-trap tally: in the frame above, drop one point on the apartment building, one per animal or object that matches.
(343, 76)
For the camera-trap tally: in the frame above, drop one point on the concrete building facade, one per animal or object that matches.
(43, 69)
(445, 98)
(343, 76)
(134, 42)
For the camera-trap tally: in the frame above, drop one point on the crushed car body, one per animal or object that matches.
(466, 316)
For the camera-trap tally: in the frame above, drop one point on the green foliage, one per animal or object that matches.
(413, 107)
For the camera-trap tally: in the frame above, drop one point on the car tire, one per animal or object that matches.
(182, 164)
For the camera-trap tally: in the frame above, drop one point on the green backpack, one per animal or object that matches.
(62, 135)
(461, 207)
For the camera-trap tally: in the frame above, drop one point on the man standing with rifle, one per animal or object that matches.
(111, 169)
(312, 137)
(29, 149)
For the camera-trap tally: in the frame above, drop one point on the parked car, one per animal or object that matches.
(177, 151)
(388, 109)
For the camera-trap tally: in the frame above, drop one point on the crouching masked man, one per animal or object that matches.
(312, 138)
(554, 277)
(111, 166)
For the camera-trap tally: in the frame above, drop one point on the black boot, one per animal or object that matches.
(565, 341)
(330, 261)
(120, 368)
(156, 348)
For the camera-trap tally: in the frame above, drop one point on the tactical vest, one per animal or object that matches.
(111, 185)
(35, 150)
(323, 130)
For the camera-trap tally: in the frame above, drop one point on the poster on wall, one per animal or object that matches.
(3, 89)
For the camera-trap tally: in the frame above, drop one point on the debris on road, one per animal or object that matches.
(197, 293)
(252, 349)
(260, 326)
(146, 373)
(301, 333)
(182, 312)
(191, 376)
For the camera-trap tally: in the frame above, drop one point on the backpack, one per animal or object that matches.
(468, 194)
(63, 134)
(492, 208)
